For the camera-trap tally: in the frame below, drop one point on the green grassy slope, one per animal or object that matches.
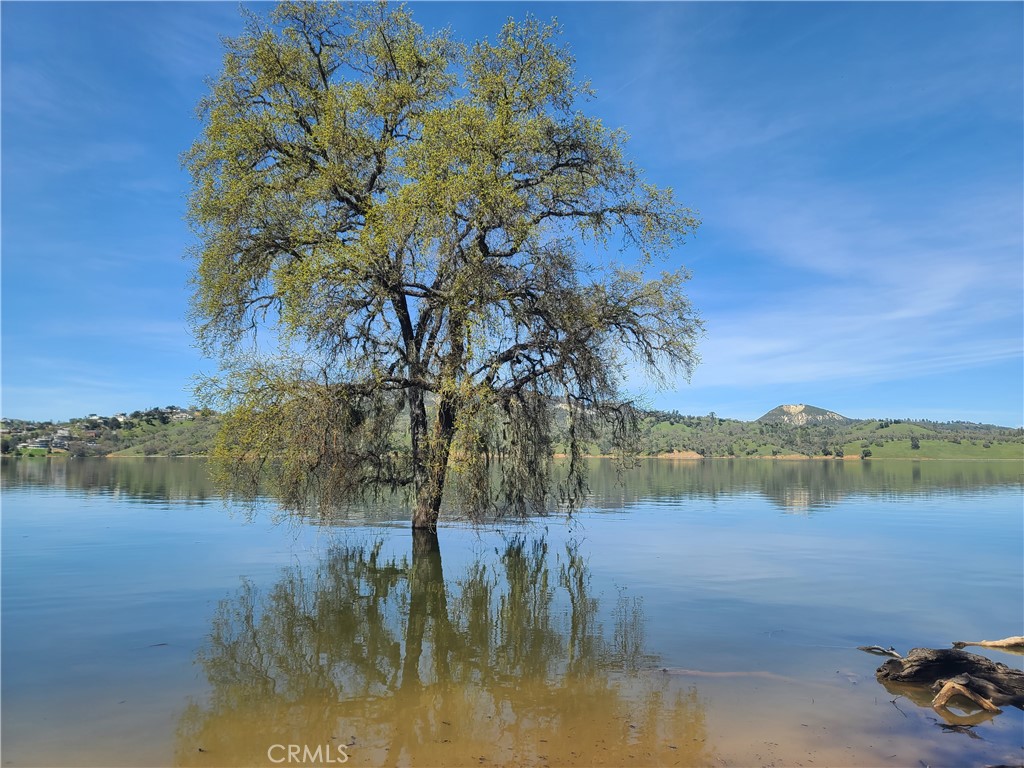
(157, 434)
(186, 438)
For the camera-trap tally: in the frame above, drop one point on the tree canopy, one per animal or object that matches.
(416, 257)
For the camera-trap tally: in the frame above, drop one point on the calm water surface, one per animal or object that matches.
(697, 613)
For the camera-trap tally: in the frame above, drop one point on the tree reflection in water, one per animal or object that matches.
(508, 663)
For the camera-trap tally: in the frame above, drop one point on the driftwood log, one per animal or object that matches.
(878, 650)
(1009, 644)
(989, 684)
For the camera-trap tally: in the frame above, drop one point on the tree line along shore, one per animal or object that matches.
(669, 435)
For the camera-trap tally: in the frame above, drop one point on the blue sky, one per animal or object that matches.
(859, 170)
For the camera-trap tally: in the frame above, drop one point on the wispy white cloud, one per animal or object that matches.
(43, 96)
(184, 40)
(61, 159)
(31, 95)
(797, 93)
(842, 229)
(846, 291)
(124, 332)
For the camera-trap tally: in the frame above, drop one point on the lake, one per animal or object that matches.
(695, 613)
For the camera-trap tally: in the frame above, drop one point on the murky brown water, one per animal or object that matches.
(689, 619)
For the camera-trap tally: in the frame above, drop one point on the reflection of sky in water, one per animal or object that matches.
(95, 582)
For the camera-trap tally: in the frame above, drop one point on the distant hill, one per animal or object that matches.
(799, 415)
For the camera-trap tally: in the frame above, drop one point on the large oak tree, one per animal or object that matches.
(411, 259)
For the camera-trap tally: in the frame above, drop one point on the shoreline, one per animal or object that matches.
(686, 456)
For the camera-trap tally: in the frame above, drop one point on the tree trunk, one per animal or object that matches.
(428, 508)
(431, 468)
(420, 459)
